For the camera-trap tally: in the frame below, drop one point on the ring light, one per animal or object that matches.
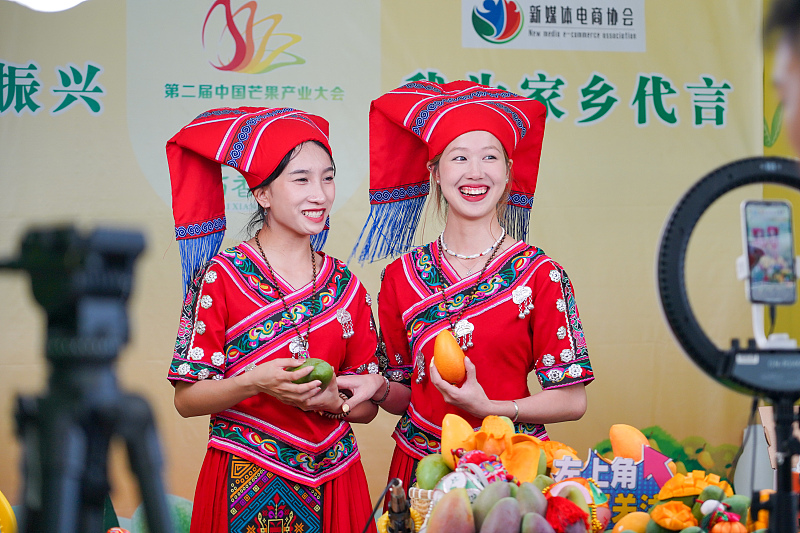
(772, 373)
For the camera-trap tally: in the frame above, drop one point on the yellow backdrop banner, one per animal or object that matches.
(643, 98)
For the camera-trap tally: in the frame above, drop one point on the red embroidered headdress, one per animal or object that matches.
(253, 140)
(410, 125)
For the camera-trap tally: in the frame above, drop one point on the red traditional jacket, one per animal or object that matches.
(233, 319)
(522, 316)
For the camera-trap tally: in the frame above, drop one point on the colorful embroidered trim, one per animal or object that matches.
(394, 194)
(238, 141)
(578, 368)
(498, 280)
(259, 500)
(418, 122)
(276, 455)
(520, 199)
(336, 286)
(199, 229)
(182, 368)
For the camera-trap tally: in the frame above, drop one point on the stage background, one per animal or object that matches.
(639, 110)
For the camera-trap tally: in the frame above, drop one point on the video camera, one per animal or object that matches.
(83, 284)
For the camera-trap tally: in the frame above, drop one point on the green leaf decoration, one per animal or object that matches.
(604, 446)
(771, 134)
(777, 122)
(668, 445)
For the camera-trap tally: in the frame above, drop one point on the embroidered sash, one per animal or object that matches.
(425, 319)
(272, 327)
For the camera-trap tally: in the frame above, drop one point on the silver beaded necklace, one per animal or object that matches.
(473, 256)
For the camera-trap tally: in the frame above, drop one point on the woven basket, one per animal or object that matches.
(420, 499)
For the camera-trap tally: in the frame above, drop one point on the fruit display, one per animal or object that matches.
(522, 456)
(493, 479)
(505, 507)
(499, 482)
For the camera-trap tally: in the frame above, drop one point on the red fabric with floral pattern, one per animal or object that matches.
(548, 338)
(234, 319)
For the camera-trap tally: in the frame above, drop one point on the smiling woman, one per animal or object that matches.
(510, 307)
(253, 313)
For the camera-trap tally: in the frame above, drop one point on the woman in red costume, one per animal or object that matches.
(511, 307)
(281, 455)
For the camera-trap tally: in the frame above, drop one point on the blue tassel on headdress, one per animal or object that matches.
(318, 241)
(515, 220)
(196, 252)
(392, 227)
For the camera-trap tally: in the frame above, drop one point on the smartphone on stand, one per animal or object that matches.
(769, 246)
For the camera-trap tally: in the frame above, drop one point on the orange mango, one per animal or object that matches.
(456, 433)
(627, 441)
(635, 521)
(522, 460)
(494, 436)
(550, 448)
(449, 358)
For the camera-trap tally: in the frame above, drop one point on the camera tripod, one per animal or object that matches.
(83, 284)
(782, 505)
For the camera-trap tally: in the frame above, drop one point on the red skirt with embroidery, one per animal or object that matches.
(341, 505)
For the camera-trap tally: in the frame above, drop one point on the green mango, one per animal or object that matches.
(535, 523)
(740, 504)
(487, 498)
(575, 495)
(711, 492)
(323, 371)
(543, 480)
(430, 470)
(542, 467)
(531, 499)
(509, 422)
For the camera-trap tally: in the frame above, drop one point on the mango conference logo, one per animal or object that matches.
(244, 43)
(498, 22)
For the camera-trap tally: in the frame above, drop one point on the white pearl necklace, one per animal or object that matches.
(473, 256)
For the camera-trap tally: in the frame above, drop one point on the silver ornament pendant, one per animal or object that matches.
(463, 332)
(299, 347)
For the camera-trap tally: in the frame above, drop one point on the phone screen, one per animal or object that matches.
(769, 244)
